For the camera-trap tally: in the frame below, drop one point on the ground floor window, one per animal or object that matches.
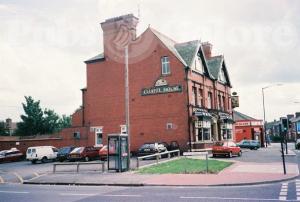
(203, 131)
(226, 131)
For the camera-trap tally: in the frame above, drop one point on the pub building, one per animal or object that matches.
(177, 91)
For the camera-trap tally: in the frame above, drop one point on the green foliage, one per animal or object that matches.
(186, 165)
(37, 121)
(275, 138)
(3, 130)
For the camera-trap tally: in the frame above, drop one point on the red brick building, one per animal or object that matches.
(246, 127)
(177, 91)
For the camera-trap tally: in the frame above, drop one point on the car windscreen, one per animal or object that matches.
(64, 150)
(150, 145)
(2, 153)
(219, 143)
(78, 150)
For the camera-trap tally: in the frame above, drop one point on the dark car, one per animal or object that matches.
(226, 148)
(249, 144)
(84, 153)
(63, 153)
(151, 148)
(11, 155)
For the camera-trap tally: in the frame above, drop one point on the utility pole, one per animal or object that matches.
(265, 134)
(127, 102)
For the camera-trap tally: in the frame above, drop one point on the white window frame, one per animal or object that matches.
(169, 126)
(98, 130)
(203, 125)
(165, 65)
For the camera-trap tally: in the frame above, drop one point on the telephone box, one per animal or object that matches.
(118, 155)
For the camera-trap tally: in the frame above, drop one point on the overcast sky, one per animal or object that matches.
(43, 45)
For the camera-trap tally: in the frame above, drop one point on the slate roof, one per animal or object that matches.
(185, 53)
(188, 50)
(95, 58)
(214, 65)
(238, 116)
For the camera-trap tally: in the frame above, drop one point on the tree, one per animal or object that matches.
(37, 121)
(32, 121)
(65, 122)
(3, 130)
(50, 122)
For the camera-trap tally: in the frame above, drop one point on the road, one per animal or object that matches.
(17, 172)
(45, 193)
(287, 191)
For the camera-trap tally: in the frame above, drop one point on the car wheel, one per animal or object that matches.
(86, 158)
(240, 153)
(230, 154)
(44, 159)
(33, 161)
(255, 148)
(214, 155)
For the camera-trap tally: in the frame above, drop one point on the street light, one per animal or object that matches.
(263, 96)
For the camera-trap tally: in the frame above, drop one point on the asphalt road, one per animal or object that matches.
(45, 193)
(261, 156)
(17, 172)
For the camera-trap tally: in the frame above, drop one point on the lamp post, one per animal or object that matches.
(263, 96)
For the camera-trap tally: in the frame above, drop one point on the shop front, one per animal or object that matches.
(225, 126)
(202, 127)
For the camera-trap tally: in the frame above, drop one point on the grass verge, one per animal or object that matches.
(186, 166)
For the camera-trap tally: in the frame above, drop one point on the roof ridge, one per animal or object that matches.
(152, 29)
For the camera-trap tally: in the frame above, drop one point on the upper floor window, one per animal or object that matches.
(194, 95)
(201, 97)
(222, 77)
(198, 66)
(209, 100)
(165, 65)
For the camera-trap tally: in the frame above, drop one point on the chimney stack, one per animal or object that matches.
(118, 32)
(207, 49)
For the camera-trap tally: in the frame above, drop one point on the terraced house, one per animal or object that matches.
(177, 91)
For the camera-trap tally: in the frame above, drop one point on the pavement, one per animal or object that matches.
(239, 173)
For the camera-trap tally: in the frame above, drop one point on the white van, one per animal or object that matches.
(41, 153)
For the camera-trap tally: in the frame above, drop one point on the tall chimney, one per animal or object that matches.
(117, 33)
(207, 49)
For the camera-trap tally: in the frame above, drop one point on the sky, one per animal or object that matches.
(43, 45)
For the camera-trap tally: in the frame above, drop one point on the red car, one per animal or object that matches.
(226, 148)
(11, 155)
(103, 152)
(83, 153)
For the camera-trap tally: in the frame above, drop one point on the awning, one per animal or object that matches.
(199, 112)
(225, 117)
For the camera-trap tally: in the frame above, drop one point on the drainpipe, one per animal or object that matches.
(188, 107)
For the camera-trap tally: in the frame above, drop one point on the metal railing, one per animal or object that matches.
(157, 156)
(78, 164)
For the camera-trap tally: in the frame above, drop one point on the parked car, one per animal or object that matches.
(41, 153)
(84, 153)
(226, 148)
(297, 144)
(11, 155)
(63, 153)
(151, 148)
(103, 153)
(249, 144)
